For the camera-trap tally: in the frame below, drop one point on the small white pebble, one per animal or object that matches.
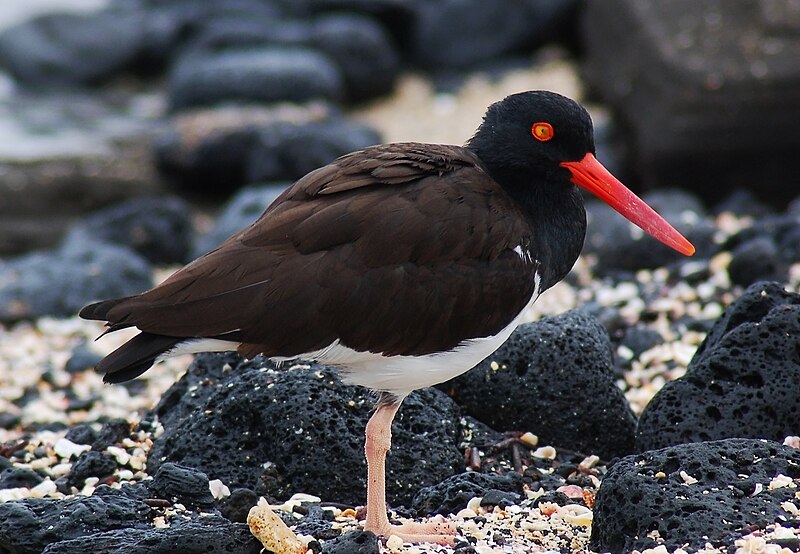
(474, 504)
(160, 522)
(529, 439)
(588, 462)
(59, 470)
(687, 479)
(624, 352)
(545, 453)
(394, 543)
(125, 474)
(43, 489)
(783, 533)
(42, 463)
(571, 491)
(660, 549)
(535, 525)
(14, 494)
(575, 514)
(781, 481)
(792, 441)
(218, 489)
(65, 448)
(120, 454)
(790, 507)
(683, 353)
(303, 497)
(137, 463)
(466, 513)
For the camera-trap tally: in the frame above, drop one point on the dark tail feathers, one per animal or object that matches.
(134, 357)
(99, 310)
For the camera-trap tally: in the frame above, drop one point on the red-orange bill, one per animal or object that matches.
(590, 174)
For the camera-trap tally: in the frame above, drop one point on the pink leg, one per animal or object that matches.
(378, 443)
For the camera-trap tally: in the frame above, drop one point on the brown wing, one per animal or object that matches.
(400, 249)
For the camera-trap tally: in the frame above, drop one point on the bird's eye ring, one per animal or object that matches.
(542, 131)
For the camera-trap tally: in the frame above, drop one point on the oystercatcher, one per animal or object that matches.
(403, 265)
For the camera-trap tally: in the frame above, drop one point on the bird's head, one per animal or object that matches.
(547, 139)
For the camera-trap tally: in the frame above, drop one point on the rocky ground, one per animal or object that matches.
(650, 404)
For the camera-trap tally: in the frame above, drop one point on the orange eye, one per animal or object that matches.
(542, 131)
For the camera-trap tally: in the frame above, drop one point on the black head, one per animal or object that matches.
(533, 132)
(531, 140)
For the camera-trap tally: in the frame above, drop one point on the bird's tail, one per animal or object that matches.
(135, 357)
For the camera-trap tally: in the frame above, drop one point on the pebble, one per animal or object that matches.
(218, 489)
(545, 452)
(272, 532)
(67, 449)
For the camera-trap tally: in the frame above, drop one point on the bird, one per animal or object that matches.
(402, 265)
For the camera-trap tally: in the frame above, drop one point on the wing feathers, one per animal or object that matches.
(345, 253)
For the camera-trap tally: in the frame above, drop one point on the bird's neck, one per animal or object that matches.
(553, 207)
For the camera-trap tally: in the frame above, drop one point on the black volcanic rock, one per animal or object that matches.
(357, 44)
(452, 494)
(181, 484)
(554, 378)
(353, 542)
(756, 260)
(111, 433)
(73, 49)
(83, 433)
(195, 535)
(727, 112)
(362, 50)
(741, 381)
(287, 152)
(622, 246)
(266, 74)
(765, 250)
(298, 429)
(236, 506)
(223, 159)
(15, 477)
(28, 526)
(158, 229)
(90, 464)
(457, 34)
(33, 285)
(656, 491)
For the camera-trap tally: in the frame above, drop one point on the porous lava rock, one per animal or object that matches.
(691, 494)
(187, 535)
(27, 526)
(184, 485)
(452, 494)
(353, 542)
(741, 381)
(555, 378)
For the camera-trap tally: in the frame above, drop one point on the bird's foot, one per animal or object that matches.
(438, 530)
